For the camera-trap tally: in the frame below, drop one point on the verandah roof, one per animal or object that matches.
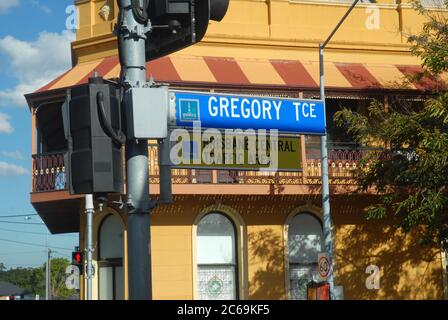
(234, 72)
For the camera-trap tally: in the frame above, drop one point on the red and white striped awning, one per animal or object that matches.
(256, 73)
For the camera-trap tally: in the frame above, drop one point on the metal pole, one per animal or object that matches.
(166, 195)
(131, 42)
(89, 243)
(48, 276)
(326, 214)
(338, 25)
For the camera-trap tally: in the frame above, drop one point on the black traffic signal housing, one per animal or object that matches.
(177, 24)
(78, 260)
(92, 124)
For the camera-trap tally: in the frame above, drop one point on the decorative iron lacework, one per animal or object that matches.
(49, 171)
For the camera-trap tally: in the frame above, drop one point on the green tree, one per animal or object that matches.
(37, 281)
(410, 174)
(58, 277)
(32, 279)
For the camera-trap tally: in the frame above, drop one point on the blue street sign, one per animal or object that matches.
(223, 111)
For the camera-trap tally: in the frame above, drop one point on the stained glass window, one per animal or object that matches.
(305, 241)
(217, 268)
(433, 3)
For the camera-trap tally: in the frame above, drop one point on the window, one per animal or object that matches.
(433, 3)
(216, 258)
(50, 128)
(337, 137)
(110, 262)
(305, 241)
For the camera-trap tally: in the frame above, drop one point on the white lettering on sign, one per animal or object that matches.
(237, 108)
(297, 105)
(256, 111)
(308, 110)
(312, 105)
(233, 103)
(245, 111)
(267, 109)
(304, 112)
(224, 105)
(256, 108)
(277, 108)
(212, 109)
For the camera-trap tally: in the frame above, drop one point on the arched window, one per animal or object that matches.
(216, 258)
(305, 241)
(110, 260)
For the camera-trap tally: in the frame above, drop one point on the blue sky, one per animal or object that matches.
(34, 49)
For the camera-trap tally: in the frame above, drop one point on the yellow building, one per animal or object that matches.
(267, 226)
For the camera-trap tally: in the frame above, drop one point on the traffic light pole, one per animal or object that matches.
(326, 216)
(131, 42)
(89, 243)
(48, 276)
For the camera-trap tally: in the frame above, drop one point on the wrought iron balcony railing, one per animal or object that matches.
(49, 171)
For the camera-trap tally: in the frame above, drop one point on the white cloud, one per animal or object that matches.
(5, 5)
(41, 6)
(17, 155)
(9, 169)
(5, 125)
(15, 96)
(34, 64)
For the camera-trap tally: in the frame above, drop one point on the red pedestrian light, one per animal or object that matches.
(77, 257)
(78, 260)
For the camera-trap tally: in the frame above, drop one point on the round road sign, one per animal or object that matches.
(323, 266)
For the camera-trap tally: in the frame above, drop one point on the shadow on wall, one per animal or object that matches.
(407, 269)
(266, 259)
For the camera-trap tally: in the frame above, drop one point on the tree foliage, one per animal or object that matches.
(33, 279)
(431, 44)
(410, 173)
(58, 277)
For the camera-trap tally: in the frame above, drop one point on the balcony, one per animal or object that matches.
(49, 171)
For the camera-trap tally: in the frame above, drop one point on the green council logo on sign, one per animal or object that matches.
(189, 109)
(215, 286)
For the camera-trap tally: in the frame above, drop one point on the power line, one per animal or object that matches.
(39, 233)
(1, 221)
(17, 253)
(20, 231)
(62, 254)
(19, 215)
(34, 244)
(65, 236)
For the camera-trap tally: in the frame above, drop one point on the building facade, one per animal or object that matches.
(252, 234)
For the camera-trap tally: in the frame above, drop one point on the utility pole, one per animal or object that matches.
(48, 276)
(327, 224)
(89, 243)
(131, 43)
